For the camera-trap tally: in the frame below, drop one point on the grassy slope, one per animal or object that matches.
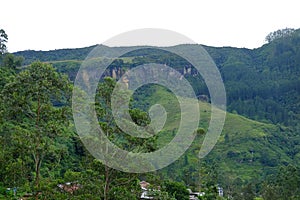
(246, 149)
(250, 150)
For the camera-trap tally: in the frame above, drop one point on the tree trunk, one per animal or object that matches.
(38, 162)
(37, 156)
(107, 182)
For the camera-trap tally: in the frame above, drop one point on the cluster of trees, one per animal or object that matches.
(279, 34)
(267, 76)
(39, 148)
(283, 185)
(262, 84)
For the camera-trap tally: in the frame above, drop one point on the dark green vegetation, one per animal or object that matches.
(3, 41)
(257, 155)
(262, 84)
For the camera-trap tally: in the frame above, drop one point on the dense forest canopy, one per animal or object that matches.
(256, 157)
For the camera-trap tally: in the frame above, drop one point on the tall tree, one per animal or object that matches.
(3, 41)
(11, 61)
(113, 179)
(36, 104)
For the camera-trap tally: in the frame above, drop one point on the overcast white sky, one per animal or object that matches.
(56, 24)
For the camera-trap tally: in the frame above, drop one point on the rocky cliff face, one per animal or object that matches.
(118, 72)
(123, 74)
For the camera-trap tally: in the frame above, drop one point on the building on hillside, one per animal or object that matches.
(69, 187)
(220, 191)
(145, 188)
(195, 195)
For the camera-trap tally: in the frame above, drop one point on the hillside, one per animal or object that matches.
(261, 132)
(262, 84)
(247, 150)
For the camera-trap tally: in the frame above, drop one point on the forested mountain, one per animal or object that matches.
(257, 154)
(262, 83)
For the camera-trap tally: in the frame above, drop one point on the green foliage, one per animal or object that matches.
(210, 193)
(3, 41)
(54, 55)
(279, 34)
(285, 185)
(200, 131)
(37, 127)
(37, 139)
(107, 123)
(6, 74)
(261, 84)
(12, 61)
(177, 190)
